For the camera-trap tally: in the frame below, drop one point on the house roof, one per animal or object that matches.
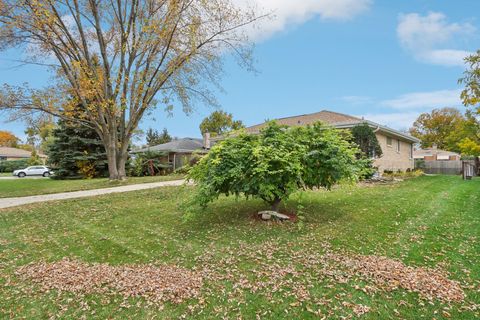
(335, 119)
(17, 153)
(433, 151)
(184, 145)
(325, 116)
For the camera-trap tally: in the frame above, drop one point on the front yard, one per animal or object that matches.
(407, 250)
(21, 187)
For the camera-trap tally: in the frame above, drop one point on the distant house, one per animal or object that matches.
(433, 153)
(7, 153)
(178, 152)
(397, 147)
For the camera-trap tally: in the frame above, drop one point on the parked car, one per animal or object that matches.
(33, 171)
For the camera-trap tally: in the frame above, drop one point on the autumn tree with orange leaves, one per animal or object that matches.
(114, 61)
(8, 139)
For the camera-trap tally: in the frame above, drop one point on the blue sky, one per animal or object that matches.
(385, 60)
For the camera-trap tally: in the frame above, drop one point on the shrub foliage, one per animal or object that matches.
(275, 163)
(12, 165)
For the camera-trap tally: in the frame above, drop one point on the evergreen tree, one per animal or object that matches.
(366, 140)
(154, 138)
(77, 152)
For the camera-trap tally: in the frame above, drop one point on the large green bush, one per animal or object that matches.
(11, 165)
(275, 163)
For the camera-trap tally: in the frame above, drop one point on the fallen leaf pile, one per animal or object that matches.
(154, 283)
(281, 274)
(391, 274)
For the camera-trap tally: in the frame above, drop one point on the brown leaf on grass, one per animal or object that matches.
(154, 283)
(360, 309)
(391, 274)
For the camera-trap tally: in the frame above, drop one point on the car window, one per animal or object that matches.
(30, 168)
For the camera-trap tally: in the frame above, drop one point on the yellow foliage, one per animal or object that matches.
(468, 147)
(87, 168)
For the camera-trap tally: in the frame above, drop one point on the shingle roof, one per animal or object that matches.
(329, 117)
(180, 145)
(335, 119)
(17, 153)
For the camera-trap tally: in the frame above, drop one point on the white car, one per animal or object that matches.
(33, 171)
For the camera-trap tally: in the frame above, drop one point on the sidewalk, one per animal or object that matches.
(18, 201)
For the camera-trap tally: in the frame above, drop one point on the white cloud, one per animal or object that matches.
(400, 112)
(425, 100)
(290, 12)
(429, 38)
(447, 57)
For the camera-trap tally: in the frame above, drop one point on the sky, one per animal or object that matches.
(385, 60)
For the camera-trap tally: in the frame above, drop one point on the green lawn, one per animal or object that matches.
(21, 187)
(5, 174)
(252, 267)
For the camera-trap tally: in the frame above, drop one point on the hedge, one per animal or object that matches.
(11, 165)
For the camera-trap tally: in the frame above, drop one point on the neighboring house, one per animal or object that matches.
(7, 153)
(178, 152)
(433, 153)
(397, 146)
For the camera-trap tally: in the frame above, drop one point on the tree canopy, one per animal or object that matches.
(471, 80)
(114, 61)
(154, 137)
(471, 98)
(275, 163)
(8, 139)
(367, 141)
(219, 122)
(446, 128)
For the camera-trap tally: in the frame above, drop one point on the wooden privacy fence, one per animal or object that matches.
(440, 166)
(453, 167)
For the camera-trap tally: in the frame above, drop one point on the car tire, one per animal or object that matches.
(22, 175)
(46, 174)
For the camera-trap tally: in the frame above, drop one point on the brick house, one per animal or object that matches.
(397, 147)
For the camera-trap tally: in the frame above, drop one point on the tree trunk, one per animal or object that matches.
(122, 160)
(275, 204)
(112, 162)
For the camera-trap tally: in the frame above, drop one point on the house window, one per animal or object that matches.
(411, 151)
(389, 141)
(398, 145)
(3, 158)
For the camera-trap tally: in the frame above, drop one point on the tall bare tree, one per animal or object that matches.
(114, 60)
